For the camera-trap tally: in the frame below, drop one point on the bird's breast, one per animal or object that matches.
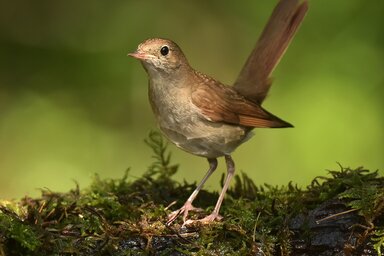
(182, 123)
(172, 105)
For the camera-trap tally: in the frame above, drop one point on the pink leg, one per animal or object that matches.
(188, 204)
(215, 214)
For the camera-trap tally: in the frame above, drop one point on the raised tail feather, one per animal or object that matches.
(254, 80)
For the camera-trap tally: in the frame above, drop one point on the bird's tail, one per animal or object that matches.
(254, 79)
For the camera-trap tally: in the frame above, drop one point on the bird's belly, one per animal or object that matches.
(204, 138)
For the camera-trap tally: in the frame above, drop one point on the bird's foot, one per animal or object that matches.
(187, 207)
(206, 220)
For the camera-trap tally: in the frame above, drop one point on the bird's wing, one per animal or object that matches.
(220, 103)
(254, 79)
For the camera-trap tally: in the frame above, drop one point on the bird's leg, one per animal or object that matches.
(230, 172)
(188, 204)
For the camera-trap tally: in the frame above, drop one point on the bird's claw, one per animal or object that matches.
(206, 220)
(187, 207)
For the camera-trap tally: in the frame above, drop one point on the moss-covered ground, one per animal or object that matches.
(340, 214)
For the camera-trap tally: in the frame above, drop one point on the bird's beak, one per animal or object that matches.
(139, 55)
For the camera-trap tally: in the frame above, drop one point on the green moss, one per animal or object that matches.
(23, 234)
(126, 216)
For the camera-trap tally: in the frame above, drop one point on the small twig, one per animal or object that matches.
(182, 237)
(335, 215)
(254, 229)
(170, 205)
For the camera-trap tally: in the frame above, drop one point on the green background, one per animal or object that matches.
(72, 103)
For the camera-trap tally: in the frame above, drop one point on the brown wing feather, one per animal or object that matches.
(220, 103)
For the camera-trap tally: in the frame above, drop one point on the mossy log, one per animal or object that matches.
(341, 214)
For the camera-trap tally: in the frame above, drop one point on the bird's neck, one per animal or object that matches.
(170, 79)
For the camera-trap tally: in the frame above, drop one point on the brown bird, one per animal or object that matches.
(206, 118)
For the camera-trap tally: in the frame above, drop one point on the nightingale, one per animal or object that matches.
(206, 118)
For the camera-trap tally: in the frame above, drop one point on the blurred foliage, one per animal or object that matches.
(72, 103)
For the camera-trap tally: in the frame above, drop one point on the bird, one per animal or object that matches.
(206, 118)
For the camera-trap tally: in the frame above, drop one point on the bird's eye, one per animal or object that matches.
(164, 50)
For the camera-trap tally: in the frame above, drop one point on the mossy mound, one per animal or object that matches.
(341, 214)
